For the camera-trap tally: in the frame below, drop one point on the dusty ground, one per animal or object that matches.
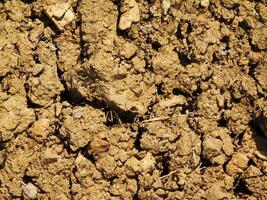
(133, 99)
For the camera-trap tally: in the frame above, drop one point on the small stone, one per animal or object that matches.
(177, 100)
(165, 6)
(40, 129)
(220, 101)
(212, 147)
(129, 50)
(148, 162)
(60, 14)
(50, 156)
(204, 3)
(30, 190)
(77, 113)
(98, 146)
(237, 164)
(130, 13)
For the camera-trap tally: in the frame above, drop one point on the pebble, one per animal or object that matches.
(178, 100)
(30, 190)
(165, 6)
(130, 13)
(204, 3)
(98, 146)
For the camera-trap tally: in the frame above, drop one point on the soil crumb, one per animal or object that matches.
(133, 99)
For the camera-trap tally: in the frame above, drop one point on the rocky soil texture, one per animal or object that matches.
(133, 99)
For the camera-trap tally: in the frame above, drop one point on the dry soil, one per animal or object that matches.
(133, 99)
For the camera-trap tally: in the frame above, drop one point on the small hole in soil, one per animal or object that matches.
(137, 143)
(205, 163)
(251, 162)
(244, 24)
(83, 53)
(225, 40)
(189, 28)
(222, 122)
(252, 67)
(36, 59)
(26, 179)
(156, 45)
(197, 92)
(241, 188)
(184, 60)
(165, 165)
(160, 88)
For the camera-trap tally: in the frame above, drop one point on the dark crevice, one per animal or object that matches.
(122, 33)
(36, 59)
(251, 162)
(189, 28)
(165, 165)
(222, 122)
(215, 59)
(27, 179)
(254, 125)
(84, 47)
(70, 185)
(160, 89)
(184, 60)
(3, 145)
(72, 96)
(226, 163)
(30, 104)
(91, 158)
(178, 91)
(225, 39)
(197, 92)
(191, 106)
(240, 138)
(28, 1)
(205, 163)
(179, 33)
(48, 23)
(2, 165)
(111, 179)
(253, 46)
(137, 143)
(150, 1)
(65, 143)
(241, 188)
(156, 45)
(252, 68)
(244, 24)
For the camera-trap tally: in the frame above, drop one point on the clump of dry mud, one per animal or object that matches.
(133, 99)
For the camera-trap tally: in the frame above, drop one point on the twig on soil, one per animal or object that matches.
(156, 119)
(167, 175)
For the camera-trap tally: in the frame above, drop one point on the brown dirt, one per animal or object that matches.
(133, 99)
